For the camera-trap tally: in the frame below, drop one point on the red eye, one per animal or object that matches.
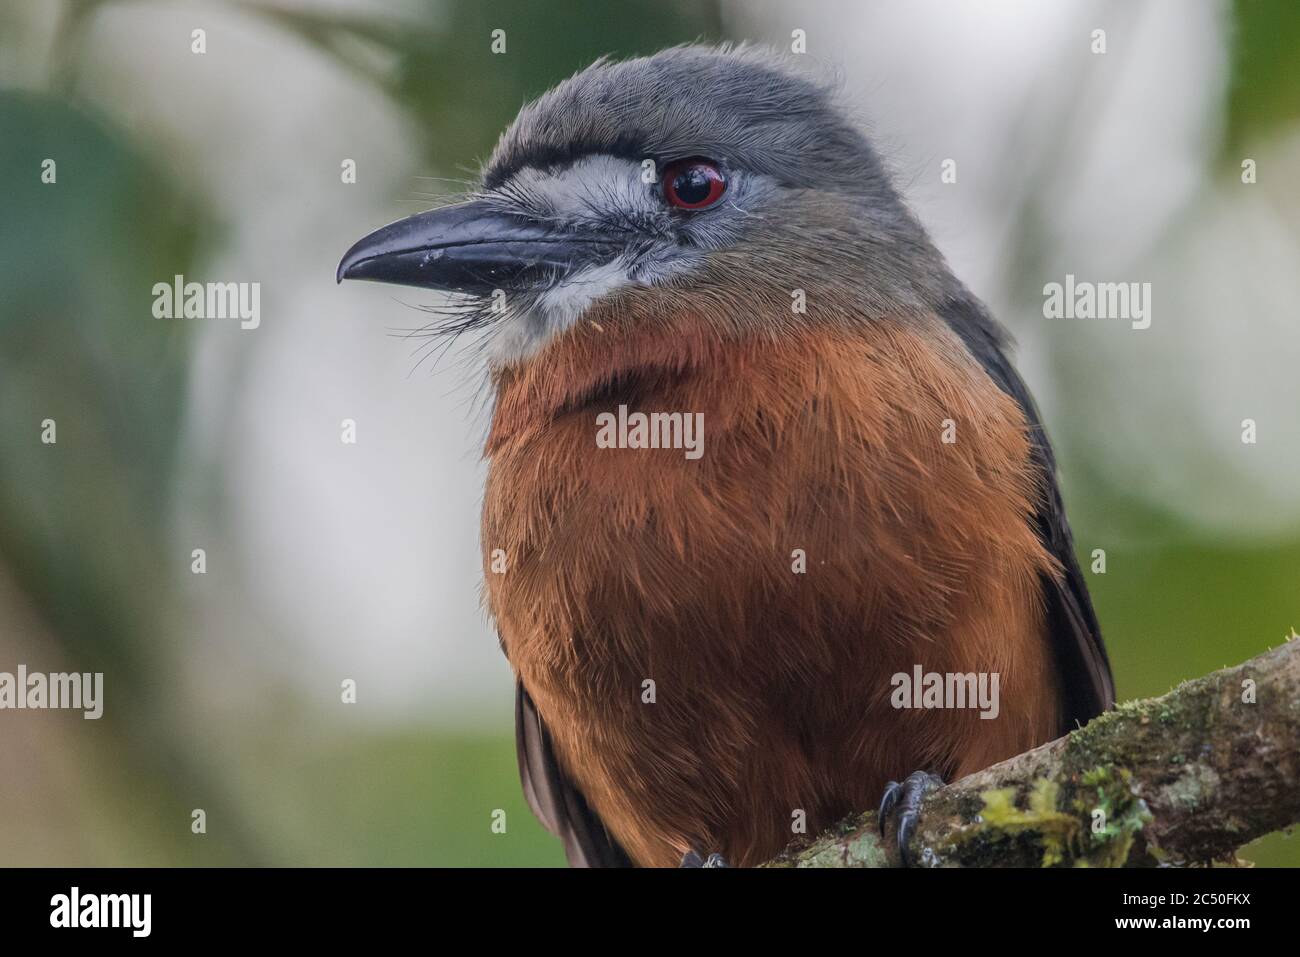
(693, 184)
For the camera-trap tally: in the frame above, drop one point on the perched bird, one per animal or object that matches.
(708, 648)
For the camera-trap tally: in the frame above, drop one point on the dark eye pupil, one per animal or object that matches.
(692, 185)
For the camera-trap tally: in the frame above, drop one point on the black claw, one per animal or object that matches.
(907, 798)
(887, 803)
(906, 826)
(692, 859)
(716, 860)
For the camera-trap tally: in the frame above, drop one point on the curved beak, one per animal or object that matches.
(473, 248)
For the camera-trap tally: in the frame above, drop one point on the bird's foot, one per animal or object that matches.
(693, 859)
(907, 798)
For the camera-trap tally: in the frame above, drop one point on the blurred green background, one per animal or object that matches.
(223, 689)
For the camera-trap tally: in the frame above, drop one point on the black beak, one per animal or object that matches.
(471, 248)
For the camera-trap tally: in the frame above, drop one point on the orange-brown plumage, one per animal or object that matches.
(772, 688)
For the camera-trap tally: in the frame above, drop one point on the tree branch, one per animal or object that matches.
(1185, 778)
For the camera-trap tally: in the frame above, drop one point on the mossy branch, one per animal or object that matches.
(1185, 778)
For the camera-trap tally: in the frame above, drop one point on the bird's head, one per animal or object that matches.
(694, 176)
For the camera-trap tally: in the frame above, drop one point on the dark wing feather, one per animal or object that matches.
(557, 803)
(1075, 634)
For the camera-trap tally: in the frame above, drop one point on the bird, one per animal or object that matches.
(707, 650)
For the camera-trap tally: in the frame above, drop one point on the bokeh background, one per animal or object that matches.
(328, 561)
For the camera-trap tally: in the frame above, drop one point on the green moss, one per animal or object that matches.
(1094, 828)
(1054, 831)
(1122, 817)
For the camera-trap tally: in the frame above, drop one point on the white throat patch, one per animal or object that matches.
(555, 310)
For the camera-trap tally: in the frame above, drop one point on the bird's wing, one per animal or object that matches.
(1075, 634)
(558, 804)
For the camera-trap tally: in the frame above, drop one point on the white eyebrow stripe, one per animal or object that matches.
(583, 188)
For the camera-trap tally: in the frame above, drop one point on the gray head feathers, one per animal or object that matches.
(744, 106)
(818, 196)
